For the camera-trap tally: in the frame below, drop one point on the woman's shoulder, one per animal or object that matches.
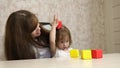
(43, 52)
(43, 48)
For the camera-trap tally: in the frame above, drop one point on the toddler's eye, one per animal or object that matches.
(67, 41)
(62, 41)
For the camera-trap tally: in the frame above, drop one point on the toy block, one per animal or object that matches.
(74, 53)
(97, 53)
(86, 54)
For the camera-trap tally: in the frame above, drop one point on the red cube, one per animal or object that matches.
(97, 54)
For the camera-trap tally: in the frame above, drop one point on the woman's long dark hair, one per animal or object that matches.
(18, 40)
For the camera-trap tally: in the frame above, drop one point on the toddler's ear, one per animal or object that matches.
(59, 25)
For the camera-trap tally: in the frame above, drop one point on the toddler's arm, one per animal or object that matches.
(53, 36)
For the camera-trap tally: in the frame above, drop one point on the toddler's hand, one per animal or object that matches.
(55, 21)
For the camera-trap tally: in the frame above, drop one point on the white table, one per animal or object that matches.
(108, 61)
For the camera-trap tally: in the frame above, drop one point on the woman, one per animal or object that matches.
(25, 38)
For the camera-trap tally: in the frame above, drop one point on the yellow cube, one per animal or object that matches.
(74, 53)
(86, 54)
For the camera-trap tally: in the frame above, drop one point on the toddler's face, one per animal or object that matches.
(36, 32)
(63, 44)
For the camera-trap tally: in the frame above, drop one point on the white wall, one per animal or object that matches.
(112, 25)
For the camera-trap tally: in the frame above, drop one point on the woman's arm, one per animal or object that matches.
(53, 36)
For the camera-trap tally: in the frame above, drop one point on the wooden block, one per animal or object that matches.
(74, 53)
(86, 54)
(97, 54)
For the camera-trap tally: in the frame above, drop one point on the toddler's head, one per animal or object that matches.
(63, 38)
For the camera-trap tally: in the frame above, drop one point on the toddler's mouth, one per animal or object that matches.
(65, 48)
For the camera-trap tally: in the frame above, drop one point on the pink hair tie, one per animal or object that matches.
(59, 25)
